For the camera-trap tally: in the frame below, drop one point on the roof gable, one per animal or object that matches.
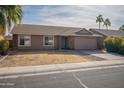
(84, 32)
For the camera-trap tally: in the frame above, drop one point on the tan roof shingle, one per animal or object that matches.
(27, 29)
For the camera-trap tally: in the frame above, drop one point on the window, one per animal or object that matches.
(24, 40)
(48, 40)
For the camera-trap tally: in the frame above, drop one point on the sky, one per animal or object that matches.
(73, 16)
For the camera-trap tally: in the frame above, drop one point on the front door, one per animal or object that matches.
(64, 42)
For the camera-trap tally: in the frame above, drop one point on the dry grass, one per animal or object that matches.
(42, 58)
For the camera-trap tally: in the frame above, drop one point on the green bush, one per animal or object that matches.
(121, 49)
(112, 44)
(4, 46)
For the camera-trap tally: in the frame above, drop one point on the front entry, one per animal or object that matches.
(64, 42)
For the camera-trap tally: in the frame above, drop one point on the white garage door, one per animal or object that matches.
(85, 43)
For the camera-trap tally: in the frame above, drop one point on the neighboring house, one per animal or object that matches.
(106, 33)
(9, 38)
(54, 37)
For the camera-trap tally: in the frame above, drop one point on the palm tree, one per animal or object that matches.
(9, 15)
(121, 28)
(107, 23)
(2, 23)
(99, 19)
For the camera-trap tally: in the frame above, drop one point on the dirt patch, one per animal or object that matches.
(29, 58)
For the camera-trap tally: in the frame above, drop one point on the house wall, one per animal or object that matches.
(15, 41)
(100, 42)
(74, 42)
(85, 43)
(36, 43)
(70, 43)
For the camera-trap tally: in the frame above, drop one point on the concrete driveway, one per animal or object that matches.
(105, 55)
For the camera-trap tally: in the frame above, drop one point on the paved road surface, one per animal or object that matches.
(104, 78)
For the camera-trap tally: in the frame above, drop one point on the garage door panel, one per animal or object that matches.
(85, 43)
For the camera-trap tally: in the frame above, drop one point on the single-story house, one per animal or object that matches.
(106, 33)
(27, 36)
(9, 38)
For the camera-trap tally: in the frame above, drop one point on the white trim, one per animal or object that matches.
(44, 40)
(23, 45)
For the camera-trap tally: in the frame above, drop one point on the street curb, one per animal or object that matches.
(59, 70)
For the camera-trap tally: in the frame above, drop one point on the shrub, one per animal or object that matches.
(4, 46)
(112, 44)
(121, 49)
(1, 37)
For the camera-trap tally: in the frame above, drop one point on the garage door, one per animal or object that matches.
(85, 43)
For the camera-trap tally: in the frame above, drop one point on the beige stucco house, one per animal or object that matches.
(53, 37)
(27, 36)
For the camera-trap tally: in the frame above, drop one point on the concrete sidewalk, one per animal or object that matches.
(57, 67)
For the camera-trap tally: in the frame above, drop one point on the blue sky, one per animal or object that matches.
(74, 16)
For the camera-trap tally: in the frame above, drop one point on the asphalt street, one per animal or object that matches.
(96, 78)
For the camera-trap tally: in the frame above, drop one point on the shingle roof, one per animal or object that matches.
(109, 32)
(50, 30)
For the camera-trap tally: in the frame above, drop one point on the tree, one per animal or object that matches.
(107, 23)
(9, 15)
(121, 28)
(99, 19)
(2, 23)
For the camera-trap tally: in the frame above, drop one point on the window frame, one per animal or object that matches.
(19, 37)
(48, 36)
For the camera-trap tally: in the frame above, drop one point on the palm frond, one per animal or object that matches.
(2, 22)
(12, 13)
